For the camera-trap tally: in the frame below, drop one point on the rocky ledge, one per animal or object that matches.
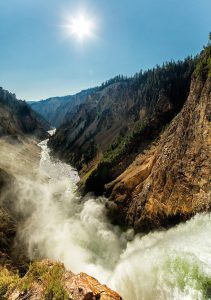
(50, 280)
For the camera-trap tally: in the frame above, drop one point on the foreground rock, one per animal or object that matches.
(49, 280)
(171, 181)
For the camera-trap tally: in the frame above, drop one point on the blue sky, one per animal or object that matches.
(37, 60)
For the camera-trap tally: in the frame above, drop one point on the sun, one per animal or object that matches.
(81, 27)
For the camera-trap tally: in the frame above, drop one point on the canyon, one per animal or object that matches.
(120, 190)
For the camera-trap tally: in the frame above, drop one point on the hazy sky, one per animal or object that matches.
(38, 59)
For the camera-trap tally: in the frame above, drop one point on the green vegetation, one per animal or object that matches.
(160, 92)
(8, 282)
(124, 144)
(44, 277)
(117, 151)
(172, 77)
(140, 106)
(9, 100)
(203, 67)
(187, 273)
(116, 79)
(167, 84)
(49, 276)
(171, 80)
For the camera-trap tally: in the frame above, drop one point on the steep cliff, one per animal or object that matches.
(171, 181)
(17, 119)
(123, 116)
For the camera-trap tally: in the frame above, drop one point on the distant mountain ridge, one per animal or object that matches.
(56, 110)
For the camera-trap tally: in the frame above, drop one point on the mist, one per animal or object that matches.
(57, 223)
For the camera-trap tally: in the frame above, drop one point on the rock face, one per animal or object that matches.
(57, 109)
(111, 118)
(50, 280)
(17, 119)
(171, 181)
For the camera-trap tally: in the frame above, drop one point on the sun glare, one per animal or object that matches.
(81, 27)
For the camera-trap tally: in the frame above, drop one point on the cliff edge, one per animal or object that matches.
(170, 182)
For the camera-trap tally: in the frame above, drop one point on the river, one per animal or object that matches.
(61, 225)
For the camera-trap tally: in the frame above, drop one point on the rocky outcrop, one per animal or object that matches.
(17, 119)
(50, 280)
(171, 181)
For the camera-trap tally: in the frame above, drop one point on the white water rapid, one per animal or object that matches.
(171, 264)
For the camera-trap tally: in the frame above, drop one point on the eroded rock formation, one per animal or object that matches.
(171, 181)
(50, 280)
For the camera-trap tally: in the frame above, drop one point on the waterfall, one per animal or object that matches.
(59, 224)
